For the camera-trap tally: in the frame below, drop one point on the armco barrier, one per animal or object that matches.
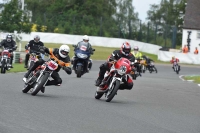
(95, 41)
(188, 58)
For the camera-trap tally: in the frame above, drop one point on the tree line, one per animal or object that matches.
(109, 18)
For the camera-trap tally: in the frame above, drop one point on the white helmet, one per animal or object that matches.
(85, 37)
(36, 38)
(64, 50)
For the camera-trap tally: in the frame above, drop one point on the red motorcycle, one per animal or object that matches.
(5, 60)
(119, 71)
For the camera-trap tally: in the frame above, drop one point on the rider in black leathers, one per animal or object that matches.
(33, 46)
(116, 55)
(10, 44)
(62, 55)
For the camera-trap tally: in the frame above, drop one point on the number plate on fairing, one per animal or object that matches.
(52, 65)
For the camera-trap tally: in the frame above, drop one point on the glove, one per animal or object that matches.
(42, 49)
(68, 70)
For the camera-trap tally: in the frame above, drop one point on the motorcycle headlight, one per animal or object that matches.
(83, 56)
(122, 70)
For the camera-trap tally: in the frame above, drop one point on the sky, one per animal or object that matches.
(142, 6)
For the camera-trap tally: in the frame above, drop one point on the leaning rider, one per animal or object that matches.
(61, 57)
(116, 55)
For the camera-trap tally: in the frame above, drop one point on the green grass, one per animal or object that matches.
(18, 68)
(195, 78)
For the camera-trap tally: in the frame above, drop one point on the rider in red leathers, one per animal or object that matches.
(116, 55)
(174, 60)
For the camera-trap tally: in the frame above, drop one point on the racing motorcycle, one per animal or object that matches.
(5, 60)
(176, 67)
(81, 62)
(118, 72)
(152, 68)
(39, 77)
(34, 56)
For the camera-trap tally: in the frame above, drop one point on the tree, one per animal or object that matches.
(13, 18)
(166, 15)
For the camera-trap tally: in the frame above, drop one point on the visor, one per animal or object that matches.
(64, 52)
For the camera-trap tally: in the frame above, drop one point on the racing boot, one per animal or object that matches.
(98, 81)
(26, 75)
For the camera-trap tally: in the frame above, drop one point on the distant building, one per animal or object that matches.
(192, 25)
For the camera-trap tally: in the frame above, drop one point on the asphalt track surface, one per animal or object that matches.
(158, 103)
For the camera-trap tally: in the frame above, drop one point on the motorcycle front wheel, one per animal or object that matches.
(79, 68)
(3, 69)
(112, 91)
(155, 69)
(38, 86)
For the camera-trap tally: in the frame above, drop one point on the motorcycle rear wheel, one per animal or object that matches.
(38, 86)
(98, 95)
(26, 88)
(114, 90)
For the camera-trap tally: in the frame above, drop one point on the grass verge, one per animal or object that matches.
(18, 68)
(195, 78)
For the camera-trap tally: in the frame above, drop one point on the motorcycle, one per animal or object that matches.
(34, 56)
(152, 67)
(39, 77)
(176, 67)
(143, 65)
(138, 66)
(5, 60)
(119, 71)
(81, 62)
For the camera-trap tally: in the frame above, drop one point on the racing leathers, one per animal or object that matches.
(11, 46)
(175, 61)
(63, 63)
(116, 55)
(33, 47)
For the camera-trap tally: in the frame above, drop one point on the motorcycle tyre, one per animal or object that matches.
(40, 83)
(98, 95)
(3, 70)
(78, 72)
(114, 91)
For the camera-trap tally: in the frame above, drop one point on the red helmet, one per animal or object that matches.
(126, 48)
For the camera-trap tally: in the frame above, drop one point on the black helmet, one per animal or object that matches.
(9, 38)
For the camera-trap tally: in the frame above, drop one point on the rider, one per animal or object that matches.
(33, 46)
(86, 42)
(148, 60)
(174, 60)
(116, 55)
(60, 54)
(138, 56)
(10, 44)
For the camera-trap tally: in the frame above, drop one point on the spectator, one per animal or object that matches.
(185, 49)
(196, 51)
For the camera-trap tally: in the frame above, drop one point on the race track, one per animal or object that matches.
(158, 103)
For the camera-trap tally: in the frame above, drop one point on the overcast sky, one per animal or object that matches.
(142, 6)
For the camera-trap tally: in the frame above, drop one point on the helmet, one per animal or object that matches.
(9, 38)
(136, 48)
(85, 38)
(64, 50)
(173, 57)
(126, 48)
(36, 38)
